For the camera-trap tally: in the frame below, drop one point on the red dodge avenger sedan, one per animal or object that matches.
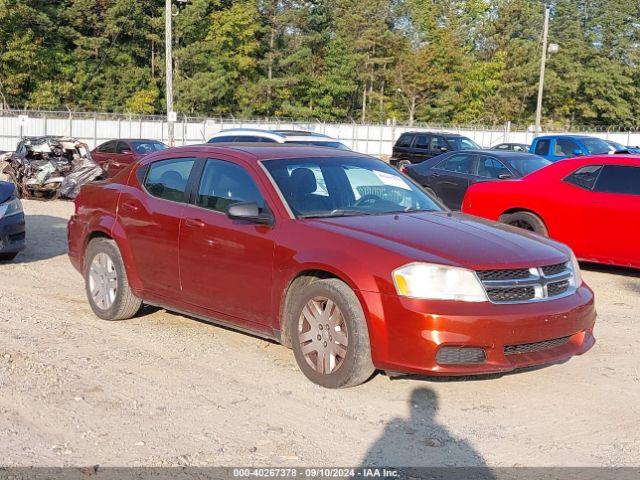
(331, 253)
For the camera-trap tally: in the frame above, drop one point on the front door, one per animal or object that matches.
(226, 265)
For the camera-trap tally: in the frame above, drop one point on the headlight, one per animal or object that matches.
(575, 267)
(11, 207)
(438, 282)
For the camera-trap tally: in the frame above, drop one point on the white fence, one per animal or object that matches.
(372, 139)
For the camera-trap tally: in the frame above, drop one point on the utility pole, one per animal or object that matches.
(543, 64)
(169, 73)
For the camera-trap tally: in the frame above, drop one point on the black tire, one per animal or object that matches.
(527, 221)
(126, 304)
(356, 367)
(7, 257)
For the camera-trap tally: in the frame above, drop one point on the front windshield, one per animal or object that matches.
(617, 146)
(334, 187)
(595, 146)
(320, 143)
(463, 143)
(528, 164)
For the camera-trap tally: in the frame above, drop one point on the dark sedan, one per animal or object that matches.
(449, 176)
(12, 224)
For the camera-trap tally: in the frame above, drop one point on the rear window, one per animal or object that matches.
(404, 140)
(585, 177)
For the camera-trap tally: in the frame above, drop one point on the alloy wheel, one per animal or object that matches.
(323, 335)
(103, 281)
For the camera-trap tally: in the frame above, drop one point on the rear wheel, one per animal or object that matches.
(527, 221)
(106, 283)
(329, 334)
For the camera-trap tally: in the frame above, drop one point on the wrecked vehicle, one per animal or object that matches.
(51, 167)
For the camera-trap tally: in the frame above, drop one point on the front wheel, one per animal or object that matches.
(330, 336)
(527, 221)
(106, 283)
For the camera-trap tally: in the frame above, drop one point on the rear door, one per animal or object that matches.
(121, 158)
(150, 210)
(420, 151)
(542, 147)
(402, 148)
(104, 153)
(451, 178)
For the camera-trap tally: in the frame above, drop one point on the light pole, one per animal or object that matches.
(169, 73)
(543, 63)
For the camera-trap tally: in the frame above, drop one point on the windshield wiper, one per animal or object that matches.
(338, 212)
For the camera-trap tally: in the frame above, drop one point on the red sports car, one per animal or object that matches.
(590, 203)
(335, 254)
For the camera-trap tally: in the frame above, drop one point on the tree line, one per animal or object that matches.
(445, 61)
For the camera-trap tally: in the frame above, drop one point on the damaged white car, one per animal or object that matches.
(50, 167)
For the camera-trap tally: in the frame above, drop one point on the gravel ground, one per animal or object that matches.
(163, 389)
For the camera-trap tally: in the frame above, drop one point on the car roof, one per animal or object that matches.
(444, 134)
(494, 153)
(277, 135)
(561, 135)
(259, 151)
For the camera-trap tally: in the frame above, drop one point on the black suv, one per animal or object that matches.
(416, 147)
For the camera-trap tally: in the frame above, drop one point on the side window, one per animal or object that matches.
(108, 147)
(504, 146)
(489, 167)
(542, 147)
(222, 139)
(438, 142)
(422, 141)
(565, 147)
(585, 177)
(167, 179)
(121, 147)
(404, 140)
(619, 179)
(225, 183)
(458, 164)
(248, 139)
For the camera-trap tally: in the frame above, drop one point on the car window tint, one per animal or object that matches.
(224, 184)
(222, 139)
(565, 147)
(491, 168)
(122, 147)
(542, 147)
(585, 177)
(502, 147)
(422, 141)
(167, 179)
(458, 164)
(143, 148)
(108, 147)
(404, 140)
(619, 179)
(438, 143)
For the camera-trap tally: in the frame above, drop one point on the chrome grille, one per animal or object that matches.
(535, 347)
(527, 285)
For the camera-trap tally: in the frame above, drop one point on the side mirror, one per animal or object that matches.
(250, 212)
(126, 152)
(444, 149)
(577, 152)
(504, 176)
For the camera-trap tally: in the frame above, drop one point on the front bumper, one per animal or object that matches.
(406, 334)
(12, 234)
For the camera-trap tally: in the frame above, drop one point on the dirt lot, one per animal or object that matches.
(165, 390)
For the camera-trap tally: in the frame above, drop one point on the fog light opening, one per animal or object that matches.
(460, 356)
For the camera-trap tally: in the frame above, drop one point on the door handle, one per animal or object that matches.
(130, 206)
(435, 175)
(194, 222)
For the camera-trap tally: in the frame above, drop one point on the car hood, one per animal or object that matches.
(451, 239)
